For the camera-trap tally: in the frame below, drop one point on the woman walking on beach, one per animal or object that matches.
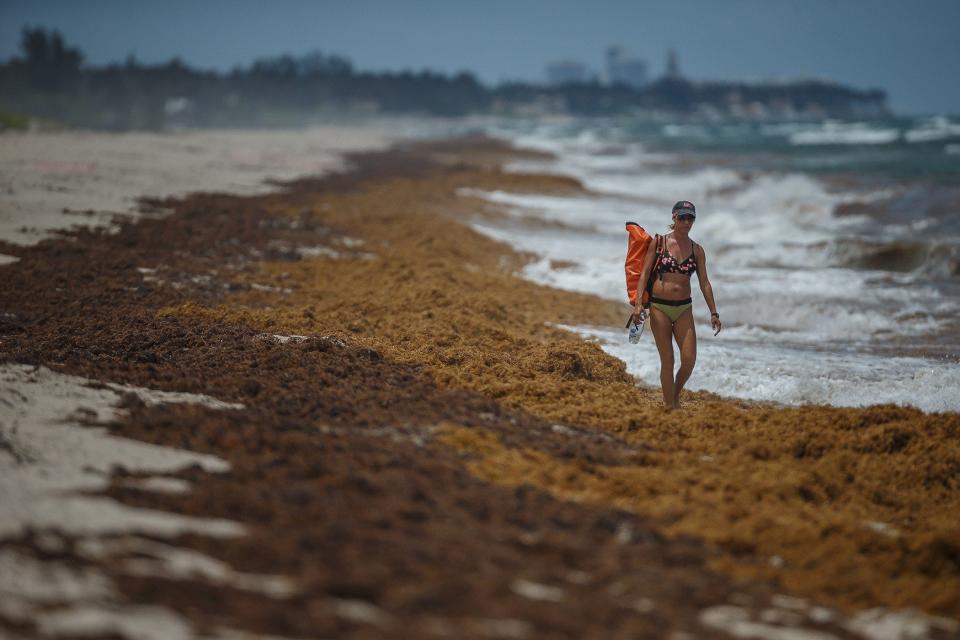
(671, 307)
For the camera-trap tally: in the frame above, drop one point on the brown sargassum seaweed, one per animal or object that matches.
(855, 507)
(434, 411)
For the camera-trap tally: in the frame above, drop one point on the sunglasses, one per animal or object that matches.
(686, 216)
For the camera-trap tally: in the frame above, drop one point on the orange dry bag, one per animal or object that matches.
(638, 243)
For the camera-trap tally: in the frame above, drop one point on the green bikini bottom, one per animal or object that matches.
(672, 308)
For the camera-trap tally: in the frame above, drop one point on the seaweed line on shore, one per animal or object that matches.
(359, 309)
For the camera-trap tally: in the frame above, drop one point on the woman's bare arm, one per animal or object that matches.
(706, 287)
(644, 276)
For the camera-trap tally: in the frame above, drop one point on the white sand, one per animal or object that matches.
(148, 558)
(790, 619)
(94, 176)
(46, 458)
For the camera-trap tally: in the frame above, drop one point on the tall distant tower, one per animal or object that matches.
(673, 66)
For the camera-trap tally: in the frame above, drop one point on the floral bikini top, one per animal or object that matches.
(669, 264)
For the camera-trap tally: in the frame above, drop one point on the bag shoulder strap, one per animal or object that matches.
(661, 244)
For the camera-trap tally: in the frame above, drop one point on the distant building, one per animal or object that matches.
(673, 65)
(567, 72)
(622, 68)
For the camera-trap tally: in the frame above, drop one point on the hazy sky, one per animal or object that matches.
(909, 48)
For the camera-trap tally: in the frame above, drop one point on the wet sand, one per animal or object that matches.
(421, 453)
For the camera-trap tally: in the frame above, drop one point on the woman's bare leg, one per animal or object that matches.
(685, 334)
(662, 330)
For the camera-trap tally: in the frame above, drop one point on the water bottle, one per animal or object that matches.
(636, 328)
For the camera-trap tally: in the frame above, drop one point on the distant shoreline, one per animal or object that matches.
(295, 90)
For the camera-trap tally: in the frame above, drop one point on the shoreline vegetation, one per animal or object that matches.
(13, 121)
(421, 448)
(50, 81)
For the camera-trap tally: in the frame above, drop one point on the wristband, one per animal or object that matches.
(715, 315)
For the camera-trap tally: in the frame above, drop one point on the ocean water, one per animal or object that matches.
(833, 247)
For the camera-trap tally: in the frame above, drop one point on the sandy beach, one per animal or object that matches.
(67, 179)
(327, 407)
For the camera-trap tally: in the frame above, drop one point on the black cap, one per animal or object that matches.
(685, 205)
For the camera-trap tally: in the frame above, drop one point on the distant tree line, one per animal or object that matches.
(49, 80)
